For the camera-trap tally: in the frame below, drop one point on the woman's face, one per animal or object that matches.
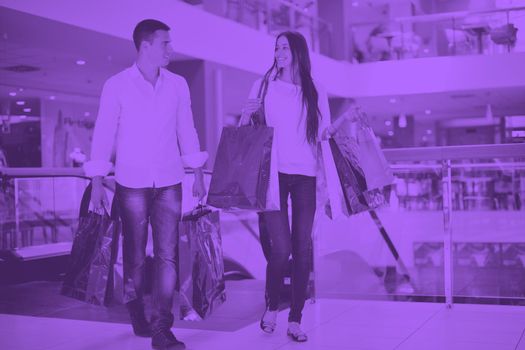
(283, 54)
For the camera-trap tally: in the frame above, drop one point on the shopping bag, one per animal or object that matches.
(201, 265)
(89, 277)
(364, 175)
(258, 118)
(245, 173)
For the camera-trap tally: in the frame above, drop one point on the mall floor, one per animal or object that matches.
(34, 316)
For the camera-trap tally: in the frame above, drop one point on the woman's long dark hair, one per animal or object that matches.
(301, 61)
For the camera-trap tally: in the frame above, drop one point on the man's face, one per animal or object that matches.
(159, 50)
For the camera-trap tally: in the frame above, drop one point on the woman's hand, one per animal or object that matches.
(352, 114)
(251, 106)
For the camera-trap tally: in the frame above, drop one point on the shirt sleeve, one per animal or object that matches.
(104, 133)
(254, 91)
(186, 133)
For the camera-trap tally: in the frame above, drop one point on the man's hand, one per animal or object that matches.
(199, 188)
(99, 198)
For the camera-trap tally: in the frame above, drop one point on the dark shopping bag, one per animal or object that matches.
(89, 277)
(245, 173)
(362, 169)
(201, 265)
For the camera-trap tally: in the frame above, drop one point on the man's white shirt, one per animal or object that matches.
(150, 129)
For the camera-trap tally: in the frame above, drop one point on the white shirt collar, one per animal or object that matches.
(136, 73)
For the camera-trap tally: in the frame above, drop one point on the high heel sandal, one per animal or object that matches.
(296, 333)
(268, 326)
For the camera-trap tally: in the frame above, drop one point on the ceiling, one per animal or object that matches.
(459, 104)
(54, 48)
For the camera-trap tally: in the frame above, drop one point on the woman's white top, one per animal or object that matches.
(286, 113)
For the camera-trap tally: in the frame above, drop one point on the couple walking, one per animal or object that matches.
(145, 116)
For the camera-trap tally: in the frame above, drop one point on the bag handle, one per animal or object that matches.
(263, 89)
(86, 198)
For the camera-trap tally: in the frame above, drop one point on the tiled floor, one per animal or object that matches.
(331, 324)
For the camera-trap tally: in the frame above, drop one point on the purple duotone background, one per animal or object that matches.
(442, 83)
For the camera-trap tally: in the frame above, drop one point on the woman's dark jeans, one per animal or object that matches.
(161, 206)
(278, 241)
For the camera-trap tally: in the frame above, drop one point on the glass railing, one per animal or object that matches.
(40, 206)
(276, 16)
(444, 34)
(453, 231)
(39, 210)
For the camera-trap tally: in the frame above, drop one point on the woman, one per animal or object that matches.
(298, 110)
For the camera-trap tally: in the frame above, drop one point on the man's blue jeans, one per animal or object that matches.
(162, 207)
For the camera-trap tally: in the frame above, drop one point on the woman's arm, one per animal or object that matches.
(252, 104)
(351, 114)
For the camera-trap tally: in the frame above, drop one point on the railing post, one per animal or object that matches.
(447, 239)
(268, 17)
(454, 36)
(292, 17)
(17, 215)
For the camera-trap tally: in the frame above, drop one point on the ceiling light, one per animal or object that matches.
(388, 122)
(355, 3)
(393, 100)
(81, 62)
(429, 132)
(20, 89)
(87, 114)
(390, 133)
(402, 121)
(12, 93)
(52, 97)
(428, 111)
(20, 103)
(27, 110)
(488, 112)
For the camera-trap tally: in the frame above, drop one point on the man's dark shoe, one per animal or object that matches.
(165, 340)
(141, 326)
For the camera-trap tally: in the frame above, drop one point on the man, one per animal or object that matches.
(145, 112)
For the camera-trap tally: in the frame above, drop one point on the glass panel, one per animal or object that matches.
(439, 35)
(39, 211)
(7, 214)
(354, 258)
(275, 17)
(487, 228)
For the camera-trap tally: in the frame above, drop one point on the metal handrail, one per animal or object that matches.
(437, 167)
(455, 15)
(413, 154)
(265, 8)
(509, 150)
(56, 172)
(438, 17)
(298, 9)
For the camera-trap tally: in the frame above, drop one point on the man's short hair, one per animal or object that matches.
(145, 30)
